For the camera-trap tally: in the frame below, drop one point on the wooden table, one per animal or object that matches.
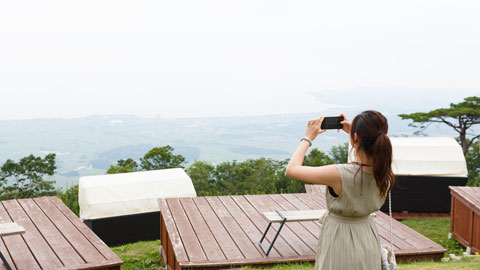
(55, 239)
(465, 216)
(214, 232)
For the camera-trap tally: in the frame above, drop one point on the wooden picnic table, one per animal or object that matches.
(54, 238)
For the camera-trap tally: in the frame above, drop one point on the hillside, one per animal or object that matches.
(89, 145)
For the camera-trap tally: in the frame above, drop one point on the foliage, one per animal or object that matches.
(317, 158)
(142, 255)
(339, 153)
(123, 166)
(161, 158)
(473, 165)
(284, 183)
(461, 117)
(69, 197)
(25, 178)
(201, 173)
(256, 176)
(253, 176)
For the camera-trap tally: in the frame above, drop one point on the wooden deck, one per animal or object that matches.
(55, 239)
(221, 232)
(465, 220)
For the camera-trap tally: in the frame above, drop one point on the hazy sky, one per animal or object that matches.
(213, 58)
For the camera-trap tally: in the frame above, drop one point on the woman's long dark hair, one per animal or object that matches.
(372, 128)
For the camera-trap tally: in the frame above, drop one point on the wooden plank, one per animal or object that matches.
(101, 265)
(189, 238)
(11, 228)
(6, 255)
(245, 222)
(283, 248)
(463, 193)
(476, 232)
(313, 202)
(163, 239)
(79, 225)
(250, 262)
(304, 215)
(55, 239)
(42, 252)
(402, 233)
(399, 243)
(205, 237)
(224, 240)
(248, 249)
(291, 232)
(313, 188)
(177, 249)
(83, 247)
(468, 203)
(463, 222)
(470, 194)
(17, 251)
(406, 237)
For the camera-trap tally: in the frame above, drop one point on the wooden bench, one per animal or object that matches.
(6, 229)
(287, 216)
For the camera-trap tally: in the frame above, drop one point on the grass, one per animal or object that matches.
(146, 256)
(143, 255)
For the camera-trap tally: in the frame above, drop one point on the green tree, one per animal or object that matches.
(202, 175)
(284, 183)
(25, 178)
(253, 176)
(123, 166)
(473, 165)
(69, 197)
(461, 117)
(317, 158)
(161, 158)
(339, 153)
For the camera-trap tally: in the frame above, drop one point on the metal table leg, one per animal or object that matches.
(5, 261)
(265, 250)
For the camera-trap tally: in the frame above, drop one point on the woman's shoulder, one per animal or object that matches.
(347, 167)
(351, 168)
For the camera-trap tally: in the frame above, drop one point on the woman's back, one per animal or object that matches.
(360, 194)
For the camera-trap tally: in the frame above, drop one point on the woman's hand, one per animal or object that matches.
(347, 125)
(313, 128)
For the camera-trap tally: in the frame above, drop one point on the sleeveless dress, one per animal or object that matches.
(348, 238)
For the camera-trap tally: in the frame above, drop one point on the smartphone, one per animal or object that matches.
(332, 122)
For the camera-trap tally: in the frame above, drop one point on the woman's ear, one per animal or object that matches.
(355, 137)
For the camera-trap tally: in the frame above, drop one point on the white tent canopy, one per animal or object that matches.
(428, 156)
(121, 194)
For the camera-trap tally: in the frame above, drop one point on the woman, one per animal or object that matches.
(348, 238)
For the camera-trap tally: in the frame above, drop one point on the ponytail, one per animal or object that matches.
(372, 128)
(382, 163)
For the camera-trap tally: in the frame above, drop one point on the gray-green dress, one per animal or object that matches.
(348, 238)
